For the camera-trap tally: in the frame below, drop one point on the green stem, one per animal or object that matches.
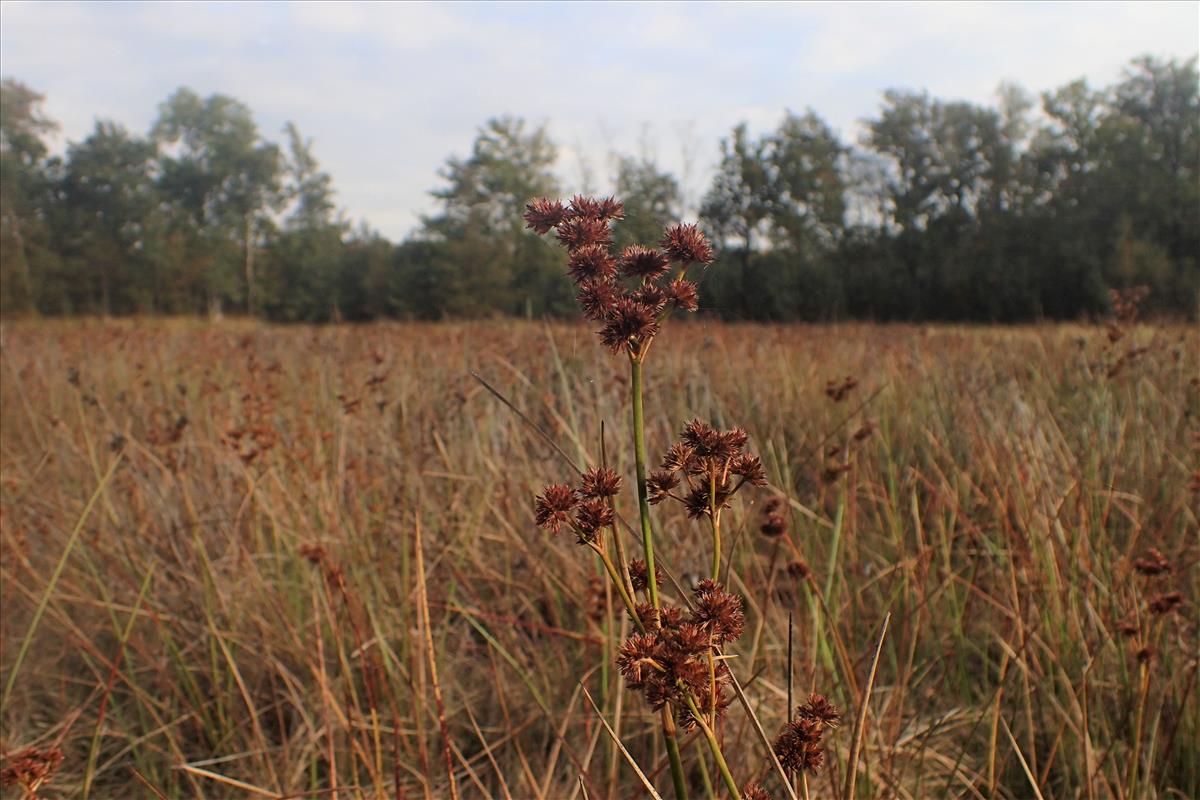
(702, 763)
(639, 455)
(714, 516)
(715, 747)
(617, 582)
(672, 740)
(1144, 671)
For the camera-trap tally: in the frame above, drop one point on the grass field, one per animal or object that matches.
(241, 560)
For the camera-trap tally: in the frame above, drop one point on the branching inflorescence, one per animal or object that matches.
(629, 294)
(676, 657)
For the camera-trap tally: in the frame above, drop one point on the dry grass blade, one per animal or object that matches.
(762, 734)
(427, 635)
(860, 723)
(53, 581)
(250, 788)
(616, 741)
(1024, 764)
(197, 617)
(153, 789)
(534, 426)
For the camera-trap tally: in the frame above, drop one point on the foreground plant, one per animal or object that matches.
(30, 769)
(675, 659)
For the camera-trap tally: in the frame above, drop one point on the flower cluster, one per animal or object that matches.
(708, 461)
(755, 791)
(676, 658)
(1154, 567)
(839, 391)
(30, 769)
(774, 519)
(1152, 563)
(630, 294)
(585, 510)
(798, 745)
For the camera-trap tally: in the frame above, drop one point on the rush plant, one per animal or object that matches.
(676, 659)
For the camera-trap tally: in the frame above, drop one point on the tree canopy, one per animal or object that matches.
(1025, 208)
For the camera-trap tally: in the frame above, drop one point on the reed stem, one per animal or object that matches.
(639, 457)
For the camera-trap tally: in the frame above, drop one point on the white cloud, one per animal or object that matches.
(389, 90)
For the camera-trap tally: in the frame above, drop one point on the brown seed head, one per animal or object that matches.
(719, 612)
(630, 324)
(749, 467)
(638, 575)
(31, 768)
(637, 659)
(597, 298)
(594, 514)
(554, 505)
(313, 553)
(684, 294)
(773, 525)
(798, 746)
(799, 570)
(1165, 603)
(652, 296)
(755, 791)
(646, 614)
(679, 457)
(706, 701)
(670, 617)
(819, 710)
(704, 440)
(691, 638)
(660, 484)
(1153, 562)
(600, 482)
(687, 244)
(590, 208)
(577, 232)
(1128, 628)
(643, 262)
(697, 502)
(541, 215)
(591, 262)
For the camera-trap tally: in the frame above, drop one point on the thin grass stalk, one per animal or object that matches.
(94, 748)
(617, 741)
(23, 650)
(1024, 764)
(427, 634)
(860, 724)
(671, 739)
(639, 454)
(715, 747)
(1139, 717)
(714, 515)
(615, 578)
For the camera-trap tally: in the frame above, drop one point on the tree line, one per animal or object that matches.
(944, 210)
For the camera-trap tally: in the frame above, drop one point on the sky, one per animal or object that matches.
(389, 91)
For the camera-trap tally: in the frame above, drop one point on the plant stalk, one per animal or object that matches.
(639, 456)
(715, 747)
(672, 740)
